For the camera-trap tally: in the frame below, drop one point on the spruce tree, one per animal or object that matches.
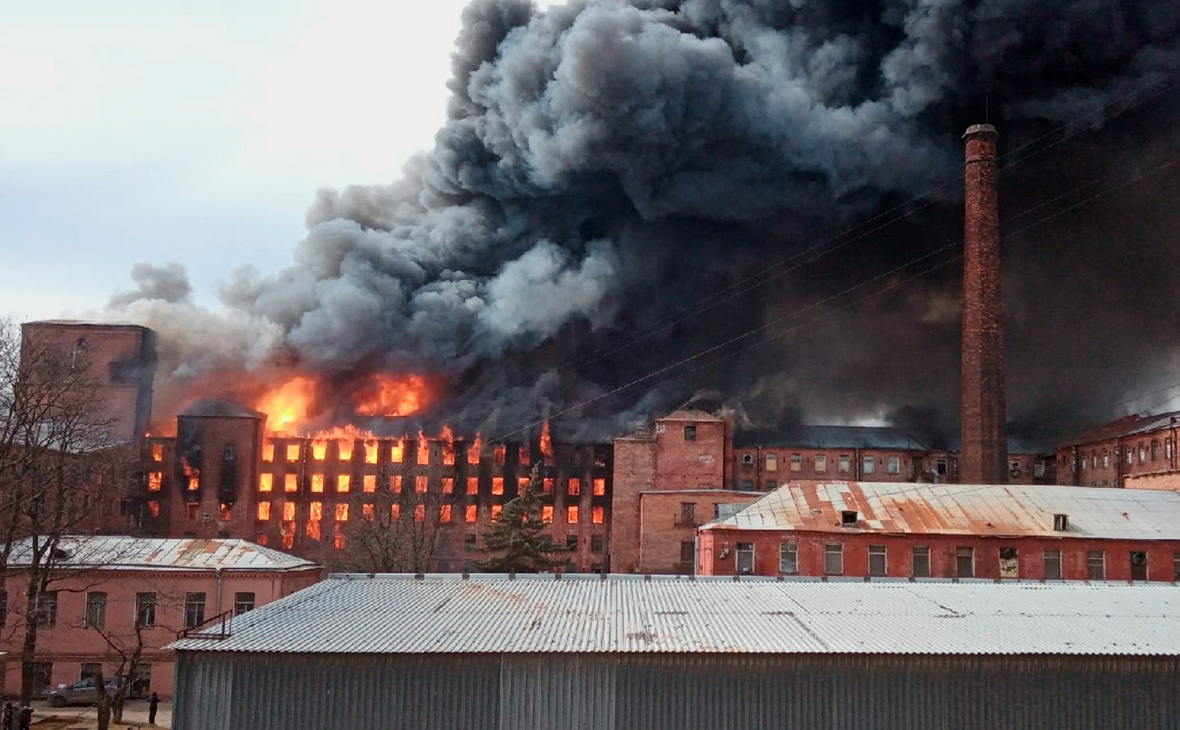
(518, 541)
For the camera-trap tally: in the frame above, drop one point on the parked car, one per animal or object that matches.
(81, 693)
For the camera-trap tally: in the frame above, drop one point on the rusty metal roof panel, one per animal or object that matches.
(353, 614)
(137, 553)
(975, 509)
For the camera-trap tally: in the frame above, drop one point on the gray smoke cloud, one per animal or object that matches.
(606, 164)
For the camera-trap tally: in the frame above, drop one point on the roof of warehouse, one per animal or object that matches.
(957, 509)
(142, 553)
(391, 614)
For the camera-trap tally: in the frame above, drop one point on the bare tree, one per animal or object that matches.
(126, 647)
(59, 467)
(392, 532)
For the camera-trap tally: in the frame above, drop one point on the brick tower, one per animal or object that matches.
(984, 458)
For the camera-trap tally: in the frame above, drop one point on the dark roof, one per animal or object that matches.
(864, 437)
(1125, 426)
(833, 437)
(220, 408)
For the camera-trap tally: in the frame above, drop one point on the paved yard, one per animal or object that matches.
(135, 715)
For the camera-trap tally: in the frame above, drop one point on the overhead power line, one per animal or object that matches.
(1010, 159)
(614, 392)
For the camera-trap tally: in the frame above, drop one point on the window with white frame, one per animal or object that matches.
(870, 465)
(788, 558)
(1052, 562)
(834, 559)
(965, 562)
(745, 558)
(921, 561)
(1095, 565)
(877, 560)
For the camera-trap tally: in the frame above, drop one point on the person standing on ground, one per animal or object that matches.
(153, 705)
(26, 717)
(8, 716)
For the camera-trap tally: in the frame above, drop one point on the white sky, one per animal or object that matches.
(197, 132)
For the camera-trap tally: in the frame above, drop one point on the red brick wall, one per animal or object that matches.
(751, 466)
(984, 442)
(1105, 463)
(634, 472)
(662, 527)
(121, 357)
(222, 480)
(696, 464)
(942, 553)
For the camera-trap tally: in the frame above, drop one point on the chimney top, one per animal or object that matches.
(976, 129)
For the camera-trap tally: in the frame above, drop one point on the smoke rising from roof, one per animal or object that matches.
(607, 164)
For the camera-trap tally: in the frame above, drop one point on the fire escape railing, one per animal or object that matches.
(222, 621)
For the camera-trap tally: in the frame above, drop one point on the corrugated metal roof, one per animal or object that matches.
(137, 553)
(630, 614)
(957, 509)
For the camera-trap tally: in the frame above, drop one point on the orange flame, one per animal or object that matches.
(288, 404)
(474, 449)
(344, 436)
(397, 452)
(448, 439)
(193, 475)
(371, 452)
(423, 449)
(391, 396)
(546, 442)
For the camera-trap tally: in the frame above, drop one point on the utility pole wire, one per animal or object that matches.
(922, 201)
(749, 333)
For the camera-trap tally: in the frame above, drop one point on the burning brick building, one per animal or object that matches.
(224, 475)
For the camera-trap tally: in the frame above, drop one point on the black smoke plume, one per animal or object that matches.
(606, 167)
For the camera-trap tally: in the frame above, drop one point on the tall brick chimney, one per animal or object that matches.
(984, 459)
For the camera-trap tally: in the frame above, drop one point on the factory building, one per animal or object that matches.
(763, 460)
(114, 598)
(1135, 452)
(668, 653)
(224, 476)
(691, 468)
(905, 530)
(119, 358)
